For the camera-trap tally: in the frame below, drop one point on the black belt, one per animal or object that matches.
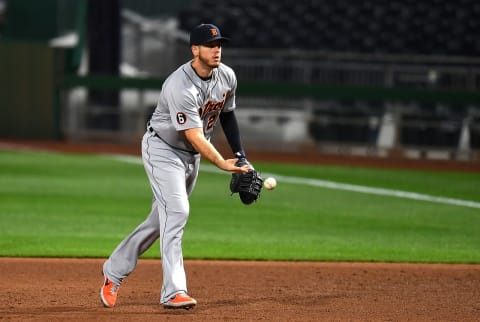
(150, 129)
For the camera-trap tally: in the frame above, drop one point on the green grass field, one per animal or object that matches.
(66, 205)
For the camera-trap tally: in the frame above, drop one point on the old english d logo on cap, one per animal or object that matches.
(204, 33)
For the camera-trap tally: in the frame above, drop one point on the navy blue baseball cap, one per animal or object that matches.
(205, 33)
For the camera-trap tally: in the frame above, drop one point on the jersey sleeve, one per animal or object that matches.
(183, 108)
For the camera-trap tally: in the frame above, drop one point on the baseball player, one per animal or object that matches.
(192, 100)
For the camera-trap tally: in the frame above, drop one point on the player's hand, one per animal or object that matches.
(230, 166)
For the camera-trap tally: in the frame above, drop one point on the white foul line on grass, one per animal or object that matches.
(338, 186)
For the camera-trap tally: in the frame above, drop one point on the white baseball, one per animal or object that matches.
(270, 183)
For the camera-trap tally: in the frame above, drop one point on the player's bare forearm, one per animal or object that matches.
(208, 151)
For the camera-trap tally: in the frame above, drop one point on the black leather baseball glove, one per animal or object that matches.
(248, 184)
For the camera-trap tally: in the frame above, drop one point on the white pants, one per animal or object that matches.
(172, 174)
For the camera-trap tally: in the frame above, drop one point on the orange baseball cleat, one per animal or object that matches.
(108, 293)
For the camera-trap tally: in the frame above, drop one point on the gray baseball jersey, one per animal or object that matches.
(186, 101)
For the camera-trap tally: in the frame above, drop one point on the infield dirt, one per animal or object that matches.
(68, 290)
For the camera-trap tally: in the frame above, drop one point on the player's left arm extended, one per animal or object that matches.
(248, 185)
(232, 132)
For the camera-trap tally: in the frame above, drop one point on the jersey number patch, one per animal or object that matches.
(181, 118)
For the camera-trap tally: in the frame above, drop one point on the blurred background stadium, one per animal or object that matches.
(376, 78)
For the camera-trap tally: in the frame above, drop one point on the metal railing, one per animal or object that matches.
(316, 81)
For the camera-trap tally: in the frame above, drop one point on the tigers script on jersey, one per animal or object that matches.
(199, 104)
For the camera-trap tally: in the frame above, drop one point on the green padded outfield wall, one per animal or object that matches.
(27, 91)
(28, 106)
